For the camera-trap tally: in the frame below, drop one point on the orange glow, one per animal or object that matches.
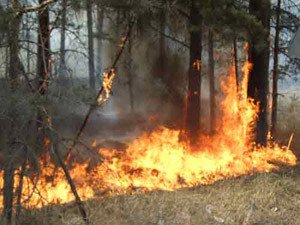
(197, 64)
(160, 160)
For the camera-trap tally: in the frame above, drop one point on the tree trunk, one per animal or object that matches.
(62, 64)
(20, 187)
(8, 190)
(211, 63)
(89, 13)
(43, 72)
(194, 76)
(236, 63)
(129, 74)
(14, 46)
(259, 55)
(7, 55)
(43, 56)
(8, 186)
(28, 43)
(275, 71)
(100, 21)
(162, 44)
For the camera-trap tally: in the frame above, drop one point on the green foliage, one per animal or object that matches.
(230, 18)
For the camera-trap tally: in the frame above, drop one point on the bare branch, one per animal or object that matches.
(169, 37)
(36, 7)
(92, 107)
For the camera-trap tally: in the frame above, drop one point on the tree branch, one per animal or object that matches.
(36, 7)
(169, 37)
(92, 107)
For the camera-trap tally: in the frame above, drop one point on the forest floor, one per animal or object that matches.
(261, 199)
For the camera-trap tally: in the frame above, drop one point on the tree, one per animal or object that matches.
(129, 73)
(62, 65)
(211, 73)
(259, 55)
(275, 70)
(194, 75)
(13, 41)
(13, 37)
(100, 21)
(89, 9)
(236, 63)
(162, 41)
(43, 55)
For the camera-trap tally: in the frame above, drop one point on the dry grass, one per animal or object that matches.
(260, 199)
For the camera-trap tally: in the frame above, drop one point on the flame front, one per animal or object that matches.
(160, 160)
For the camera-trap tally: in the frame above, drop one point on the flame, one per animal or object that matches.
(197, 64)
(161, 160)
(107, 83)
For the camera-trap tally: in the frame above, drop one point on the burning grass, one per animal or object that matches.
(161, 160)
(259, 199)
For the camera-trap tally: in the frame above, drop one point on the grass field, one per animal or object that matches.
(259, 199)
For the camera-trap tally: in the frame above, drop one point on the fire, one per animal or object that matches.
(162, 160)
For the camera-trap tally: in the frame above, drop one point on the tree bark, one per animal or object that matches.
(7, 55)
(129, 74)
(43, 72)
(89, 13)
(8, 186)
(14, 46)
(28, 44)
(211, 72)
(43, 56)
(259, 55)
(236, 64)
(100, 21)
(62, 64)
(8, 189)
(275, 71)
(194, 75)
(20, 187)
(162, 44)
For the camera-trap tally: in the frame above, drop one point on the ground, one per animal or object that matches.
(260, 199)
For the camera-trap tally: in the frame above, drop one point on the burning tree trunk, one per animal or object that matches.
(90, 44)
(194, 76)
(62, 65)
(259, 57)
(275, 70)
(211, 81)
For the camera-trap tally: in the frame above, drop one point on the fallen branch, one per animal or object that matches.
(101, 90)
(72, 185)
(61, 163)
(249, 214)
